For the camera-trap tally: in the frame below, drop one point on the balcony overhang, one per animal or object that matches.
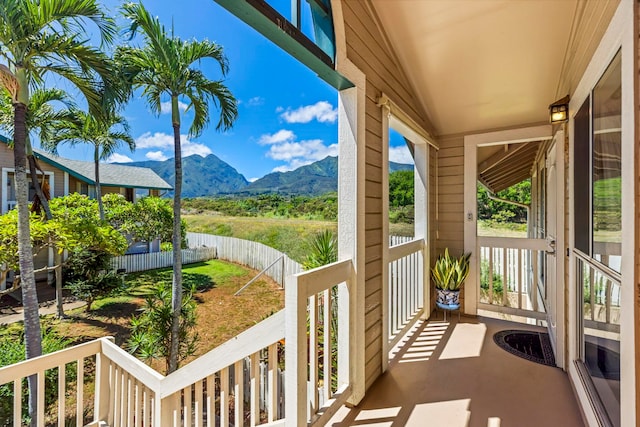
(500, 167)
(478, 65)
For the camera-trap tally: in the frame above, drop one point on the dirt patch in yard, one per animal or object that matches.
(220, 314)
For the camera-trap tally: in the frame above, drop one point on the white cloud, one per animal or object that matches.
(279, 109)
(301, 153)
(283, 135)
(119, 158)
(156, 155)
(321, 111)
(165, 107)
(400, 154)
(191, 148)
(283, 146)
(252, 179)
(163, 140)
(256, 101)
(295, 164)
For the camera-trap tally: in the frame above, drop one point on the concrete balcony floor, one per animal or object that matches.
(452, 374)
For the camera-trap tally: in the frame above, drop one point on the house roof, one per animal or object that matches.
(110, 175)
(501, 166)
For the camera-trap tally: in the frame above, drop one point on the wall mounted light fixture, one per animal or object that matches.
(559, 111)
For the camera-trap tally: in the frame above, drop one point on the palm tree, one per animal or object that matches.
(41, 119)
(40, 37)
(163, 66)
(106, 134)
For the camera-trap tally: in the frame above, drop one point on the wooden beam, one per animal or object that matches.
(501, 156)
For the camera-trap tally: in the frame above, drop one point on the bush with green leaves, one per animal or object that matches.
(146, 220)
(12, 351)
(151, 330)
(89, 275)
(323, 250)
(484, 280)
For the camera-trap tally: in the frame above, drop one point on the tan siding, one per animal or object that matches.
(109, 190)
(373, 188)
(373, 157)
(450, 195)
(372, 270)
(433, 172)
(374, 206)
(636, 281)
(367, 49)
(373, 237)
(372, 253)
(6, 161)
(593, 22)
(6, 156)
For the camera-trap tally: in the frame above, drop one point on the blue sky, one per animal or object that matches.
(287, 115)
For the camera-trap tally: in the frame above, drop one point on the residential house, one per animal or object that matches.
(471, 85)
(65, 176)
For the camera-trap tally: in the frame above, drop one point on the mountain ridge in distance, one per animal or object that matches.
(221, 178)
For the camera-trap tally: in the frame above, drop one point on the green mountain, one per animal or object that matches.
(314, 179)
(210, 176)
(202, 176)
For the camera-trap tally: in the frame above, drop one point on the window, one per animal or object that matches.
(598, 235)
(597, 170)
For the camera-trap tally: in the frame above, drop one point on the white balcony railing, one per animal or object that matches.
(318, 306)
(406, 285)
(511, 276)
(129, 393)
(600, 294)
(238, 383)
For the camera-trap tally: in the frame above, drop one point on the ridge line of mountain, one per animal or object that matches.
(313, 179)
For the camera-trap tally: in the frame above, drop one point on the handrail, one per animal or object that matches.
(30, 367)
(513, 243)
(605, 270)
(254, 339)
(145, 374)
(319, 279)
(302, 350)
(402, 250)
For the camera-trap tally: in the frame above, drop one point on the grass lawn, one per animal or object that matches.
(495, 229)
(220, 315)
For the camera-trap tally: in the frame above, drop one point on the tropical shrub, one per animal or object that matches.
(323, 249)
(89, 275)
(12, 351)
(151, 330)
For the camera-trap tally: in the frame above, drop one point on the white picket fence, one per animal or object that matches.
(251, 254)
(150, 261)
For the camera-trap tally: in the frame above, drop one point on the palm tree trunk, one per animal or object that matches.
(33, 170)
(176, 294)
(58, 271)
(32, 334)
(96, 159)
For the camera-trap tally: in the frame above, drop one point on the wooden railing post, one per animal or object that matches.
(295, 352)
(102, 392)
(169, 411)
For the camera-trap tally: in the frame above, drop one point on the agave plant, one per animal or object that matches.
(448, 272)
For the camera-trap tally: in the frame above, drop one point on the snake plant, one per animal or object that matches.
(449, 272)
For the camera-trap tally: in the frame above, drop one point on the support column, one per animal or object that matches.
(351, 236)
